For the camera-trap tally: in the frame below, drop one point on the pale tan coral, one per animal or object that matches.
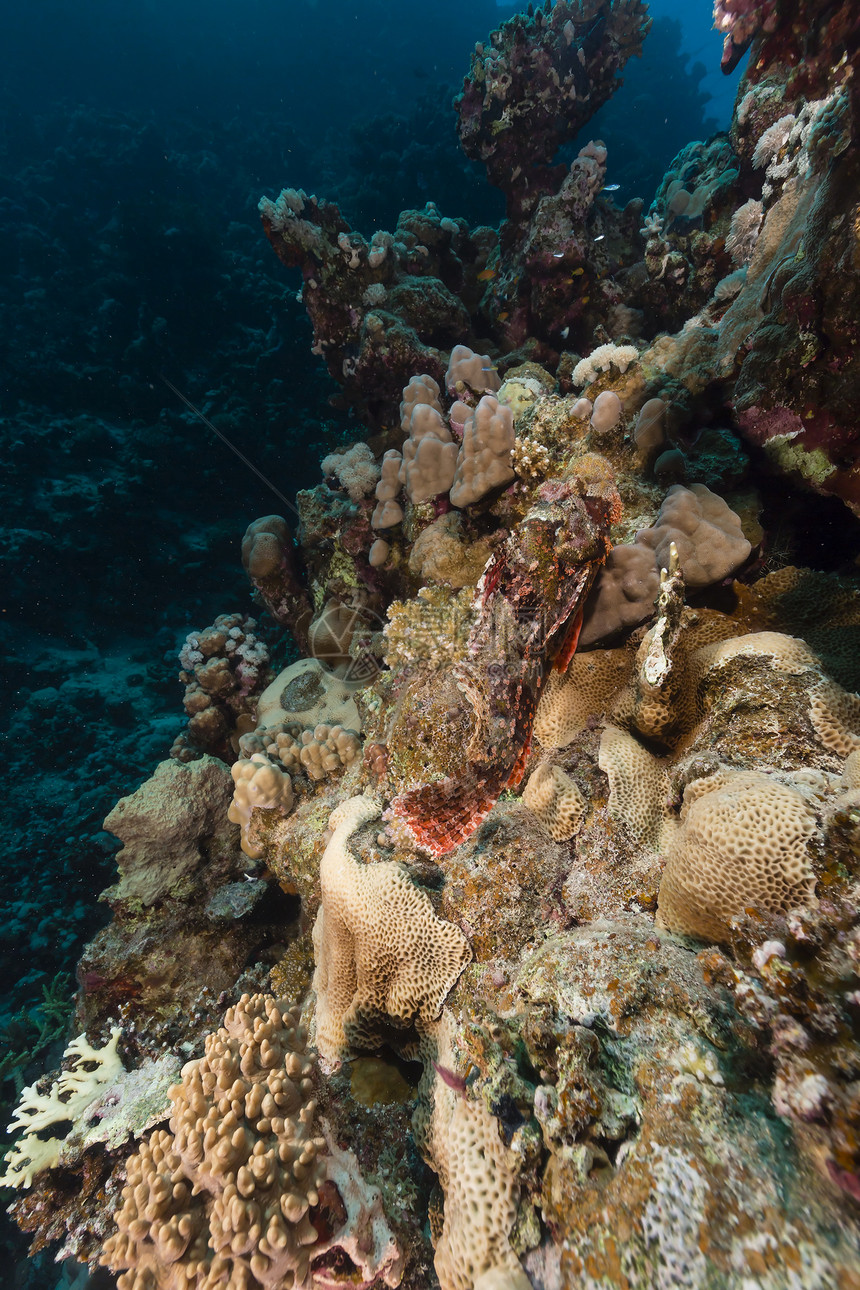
(388, 511)
(785, 653)
(317, 752)
(383, 958)
(706, 531)
(429, 455)
(440, 554)
(623, 595)
(556, 801)
(584, 691)
(462, 1142)
(326, 749)
(484, 459)
(637, 785)
(421, 389)
(835, 714)
(257, 784)
(742, 845)
(851, 770)
(309, 694)
(478, 371)
(378, 553)
(222, 1199)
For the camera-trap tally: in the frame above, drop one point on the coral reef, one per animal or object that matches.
(509, 110)
(225, 1194)
(224, 670)
(510, 935)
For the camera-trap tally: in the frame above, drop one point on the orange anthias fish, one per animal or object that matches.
(487, 274)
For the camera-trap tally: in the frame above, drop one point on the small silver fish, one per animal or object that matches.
(610, 188)
(559, 255)
(600, 239)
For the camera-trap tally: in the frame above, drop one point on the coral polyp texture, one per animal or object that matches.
(509, 936)
(384, 960)
(225, 1193)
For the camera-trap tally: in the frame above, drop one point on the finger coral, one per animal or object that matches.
(224, 669)
(258, 784)
(484, 459)
(705, 530)
(222, 1196)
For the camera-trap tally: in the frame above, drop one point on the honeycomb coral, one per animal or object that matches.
(742, 846)
(222, 1198)
(480, 1196)
(786, 653)
(637, 785)
(383, 958)
(461, 1140)
(571, 698)
(851, 770)
(556, 801)
(835, 714)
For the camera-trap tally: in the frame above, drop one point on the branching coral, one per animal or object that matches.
(67, 1101)
(224, 669)
(224, 1194)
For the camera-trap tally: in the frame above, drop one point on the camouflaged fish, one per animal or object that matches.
(528, 613)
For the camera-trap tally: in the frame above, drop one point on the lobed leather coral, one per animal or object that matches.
(222, 1196)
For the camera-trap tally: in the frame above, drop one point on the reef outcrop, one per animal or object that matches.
(513, 930)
